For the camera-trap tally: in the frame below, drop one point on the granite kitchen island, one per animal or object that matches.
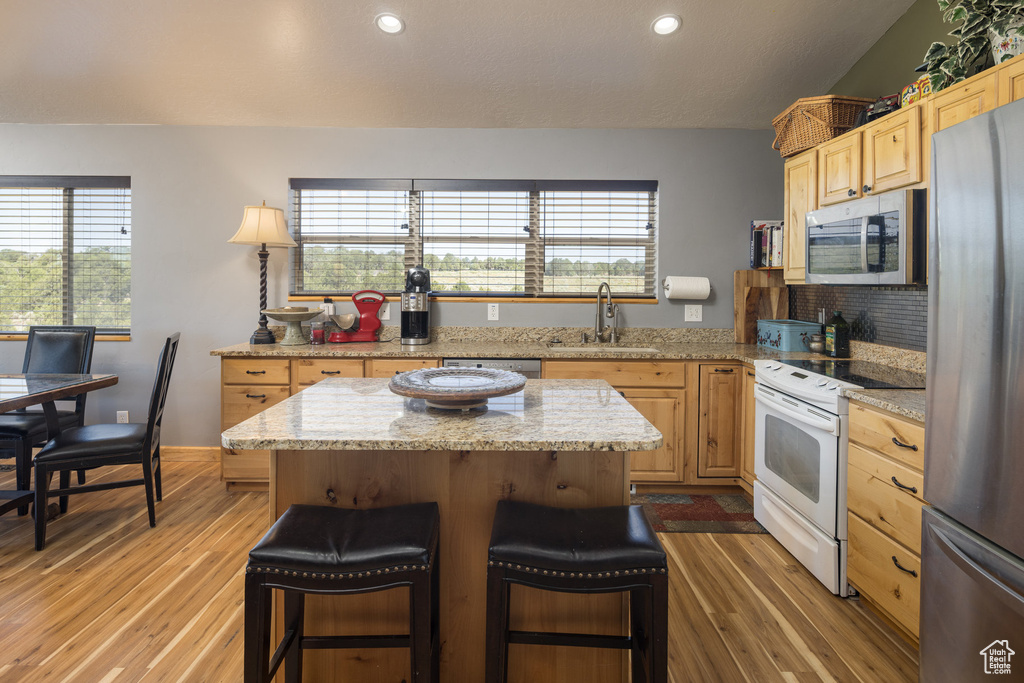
(355, 444)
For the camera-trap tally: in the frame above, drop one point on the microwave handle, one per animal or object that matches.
(864, 244)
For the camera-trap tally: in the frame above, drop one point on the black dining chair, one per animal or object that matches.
(100, 445)
(61, 349)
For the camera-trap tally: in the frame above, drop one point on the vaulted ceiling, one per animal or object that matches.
(458, 63)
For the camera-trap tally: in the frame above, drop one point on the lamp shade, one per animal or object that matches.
(263, 225)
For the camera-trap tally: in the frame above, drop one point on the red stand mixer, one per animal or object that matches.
(366, 326)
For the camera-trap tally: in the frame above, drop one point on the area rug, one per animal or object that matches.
(708, 514)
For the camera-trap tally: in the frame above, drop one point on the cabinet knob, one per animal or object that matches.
(851, 192)
(866, 188)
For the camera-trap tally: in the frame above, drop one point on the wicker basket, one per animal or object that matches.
(812, 120)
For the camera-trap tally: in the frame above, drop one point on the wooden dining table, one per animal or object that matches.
(22, 390)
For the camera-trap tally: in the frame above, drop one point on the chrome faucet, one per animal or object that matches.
(609, 312)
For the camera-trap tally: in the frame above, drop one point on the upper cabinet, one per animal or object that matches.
(801, 174)
(965, 100)
(883, 155)
(1010, 82)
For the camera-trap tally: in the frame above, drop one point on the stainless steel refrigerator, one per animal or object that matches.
(972, 573)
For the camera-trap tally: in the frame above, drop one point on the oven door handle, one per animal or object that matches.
(830, 425)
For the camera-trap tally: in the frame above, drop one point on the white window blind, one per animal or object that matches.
(477, 237)
(65, 252)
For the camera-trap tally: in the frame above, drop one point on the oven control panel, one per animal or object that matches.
(799, 381)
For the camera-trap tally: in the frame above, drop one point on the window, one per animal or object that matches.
(477, 237)
(65, 252)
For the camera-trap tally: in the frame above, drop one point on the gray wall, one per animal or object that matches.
(189, 185)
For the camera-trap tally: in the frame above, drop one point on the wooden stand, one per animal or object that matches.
(757, 295)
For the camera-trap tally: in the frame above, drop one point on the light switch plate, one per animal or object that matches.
(385, 311)
(693, 313)
(492, 311)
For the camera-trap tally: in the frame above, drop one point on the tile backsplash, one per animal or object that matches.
(892, 316)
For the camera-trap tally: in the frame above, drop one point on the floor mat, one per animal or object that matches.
(722, 514)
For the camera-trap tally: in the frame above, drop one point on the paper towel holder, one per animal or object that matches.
(664, 287)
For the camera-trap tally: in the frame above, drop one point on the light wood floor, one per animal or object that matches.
(110, 599)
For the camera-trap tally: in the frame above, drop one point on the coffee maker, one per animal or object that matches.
(416, 306)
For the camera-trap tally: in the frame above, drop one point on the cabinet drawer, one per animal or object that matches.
(872, 569)
(874, 496)
(238, 403)
(254, 371)
(244, 465)
(312, 371)
(388, 367)
(621, 373)
(884, 432)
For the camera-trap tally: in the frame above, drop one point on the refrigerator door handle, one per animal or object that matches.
(1004, 593)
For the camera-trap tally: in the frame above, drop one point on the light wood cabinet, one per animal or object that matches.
(718, 433)
(659, 392)
(749, 426)
(884, 499)
(251, 385)
(388, 367)
(892, 149)
(1010, 82)
(839, 169)
(963, 101)
(801, 196)
(883, 155)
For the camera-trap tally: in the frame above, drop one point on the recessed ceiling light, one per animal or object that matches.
(666, 24)
(389, 23)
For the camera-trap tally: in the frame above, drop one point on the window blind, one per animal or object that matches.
(477, 237)
(65, 252)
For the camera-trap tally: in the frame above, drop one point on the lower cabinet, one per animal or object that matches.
(884, 498)
(664, 409)
(749, 427)
(719, 438)
(251, 385)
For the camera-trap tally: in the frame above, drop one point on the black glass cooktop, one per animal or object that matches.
(862, 373)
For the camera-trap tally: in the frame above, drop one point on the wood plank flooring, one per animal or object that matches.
(112, 600)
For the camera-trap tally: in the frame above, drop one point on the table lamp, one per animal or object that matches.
(263, 226)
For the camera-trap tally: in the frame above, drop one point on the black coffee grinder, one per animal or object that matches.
(416, 306)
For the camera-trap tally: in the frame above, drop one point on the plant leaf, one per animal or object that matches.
(936, 52)
(957, 14)
(943, 5)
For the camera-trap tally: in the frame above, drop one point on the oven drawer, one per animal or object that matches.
(888, 434)
(873, 495)
(871, 568)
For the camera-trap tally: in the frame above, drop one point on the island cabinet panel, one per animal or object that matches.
(885, 501)
(718, 432)
(658, 390)
(467, 486)
(387, 367)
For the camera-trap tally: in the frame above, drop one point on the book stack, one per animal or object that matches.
(765, 244)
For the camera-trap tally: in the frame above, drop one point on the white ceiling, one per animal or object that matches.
(458, 64)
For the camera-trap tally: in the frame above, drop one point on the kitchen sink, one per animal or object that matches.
(590, 348)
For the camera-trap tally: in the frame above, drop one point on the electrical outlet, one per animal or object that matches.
(492, 311)
(693, 313)
(122, 416)
(385, 312)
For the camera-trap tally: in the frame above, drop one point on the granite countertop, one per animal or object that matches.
(747, 353)
(909, 403)
(363, 414)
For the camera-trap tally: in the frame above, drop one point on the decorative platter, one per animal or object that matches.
(456, 388)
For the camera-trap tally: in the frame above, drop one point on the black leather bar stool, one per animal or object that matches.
(332, 551)
(586, 550)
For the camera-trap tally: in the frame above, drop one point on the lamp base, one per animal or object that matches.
(262, 336)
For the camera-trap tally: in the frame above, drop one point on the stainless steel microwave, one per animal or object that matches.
(876, 240)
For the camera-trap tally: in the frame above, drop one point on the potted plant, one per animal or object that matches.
(983, 25)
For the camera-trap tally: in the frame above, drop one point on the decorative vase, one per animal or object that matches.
(1006, 46)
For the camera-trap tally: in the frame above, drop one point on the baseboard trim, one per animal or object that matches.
(190, 453)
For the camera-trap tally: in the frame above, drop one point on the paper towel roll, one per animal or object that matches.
(681, 287)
